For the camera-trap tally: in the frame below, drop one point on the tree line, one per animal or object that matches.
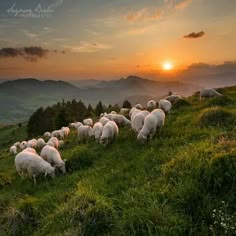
(64, 112)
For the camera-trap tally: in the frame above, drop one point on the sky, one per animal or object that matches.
(107, 39)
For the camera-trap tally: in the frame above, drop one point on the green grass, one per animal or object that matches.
(169, 186)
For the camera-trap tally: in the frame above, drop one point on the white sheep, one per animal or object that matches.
(165, 105)
(155, 120)
(97, 130)
(51, 155)
(31, 143)
(40, 143)
(32, 150)
(173, 98)
(88, 122)
(109, 132)
(209, 92)
(66, 131)
(103, 120)
(134, 111)
(120, 119)
(17, 144)
(61, 143)
(138, 106)
(33, 165)
(85, 132)
(13, 150)
(23, 145)
(124, 111)
(151, 104)
(76, 125)
(54, 141)
(138, 121)
(113, 112)
(47, 135)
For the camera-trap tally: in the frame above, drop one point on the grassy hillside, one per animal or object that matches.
(181, 183)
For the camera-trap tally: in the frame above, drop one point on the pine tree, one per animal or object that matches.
(99, 108)
(127, 104)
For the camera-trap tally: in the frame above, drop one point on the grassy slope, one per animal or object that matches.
(168, 186)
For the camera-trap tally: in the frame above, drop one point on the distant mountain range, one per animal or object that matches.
(20, 98)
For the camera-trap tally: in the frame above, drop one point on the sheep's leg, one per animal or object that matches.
(34, 178)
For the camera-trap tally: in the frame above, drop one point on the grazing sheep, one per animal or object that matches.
(66, 131)
(76, 125)
(133, 112)
(124, 111)
(109, 132)
(165, 105)
(209, 92)
(40, 143)
(51, 155)
(120, 120)
(88, 122)
(47, 135)
(53, 141)
(85, 132)
(23, 145)
(58, 134)
(31, 143)
(101, 115)
(113, 112)
(151, 105)
(17, 144)
(97, 130)
(29, 150)
(173, 98)
(138, 106)
(155, 120)
(61, 143)
(103, 120)
(13, 150)
(138, 120)
(33, 165)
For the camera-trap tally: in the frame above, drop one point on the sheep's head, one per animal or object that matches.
(50, 172)
(104, 141)
(141, 138)
(62, 167)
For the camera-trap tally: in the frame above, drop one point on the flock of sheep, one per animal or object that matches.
(145, 123)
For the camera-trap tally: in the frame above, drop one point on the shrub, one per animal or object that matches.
(181, 103)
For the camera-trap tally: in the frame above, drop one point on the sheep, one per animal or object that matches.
(76, 125)
(101, 115)
(58, 134)
(138, 106)
(151, 105)
(31, 143)
(133, 112)
(13, 150)
(120, 120)
(113, 112)
(23, 145)
(109, 132)
(103, 120)
(165, 105)
(88, 122)
(84, 132)
(47, 135)
(155, 120)
(52, 156)
(124, 111)
(97, 130)
(61, 143)
(33, 164)
(209, 92)
(66, 131)
(17, 144)
(40, 143)
(138, 121)
(173, 98)
(53, 141)
(29, 150)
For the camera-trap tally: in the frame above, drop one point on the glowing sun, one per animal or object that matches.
(167, 66)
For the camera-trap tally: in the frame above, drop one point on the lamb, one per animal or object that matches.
(51, 155)
(209, 92)
(76, 125)
(47, 135)
(120, 119)
(133, 112)
(31, 143)
(29, 150)
(88, 122)
(165, 105)
(97, 130)
(66, 131)
(173, 98)
(155, 120)
(138, 121)
(109, 132)
(138, 106)
(40, 143)
(23, 145)
(53, 141)
(17, 144)
(124, 111)
(61, 143)
(58, 134)
(33, 164)
(103, 120)
(151, 105)
(13, 150)
(85, 132)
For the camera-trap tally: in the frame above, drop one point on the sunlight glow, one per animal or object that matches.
(167, 66)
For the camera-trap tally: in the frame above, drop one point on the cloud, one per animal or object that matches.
(87, 47)
(28, 53)
(183, 4)
(194, 35)
(143, 15)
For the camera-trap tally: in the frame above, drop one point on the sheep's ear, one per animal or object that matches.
(46, 173)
